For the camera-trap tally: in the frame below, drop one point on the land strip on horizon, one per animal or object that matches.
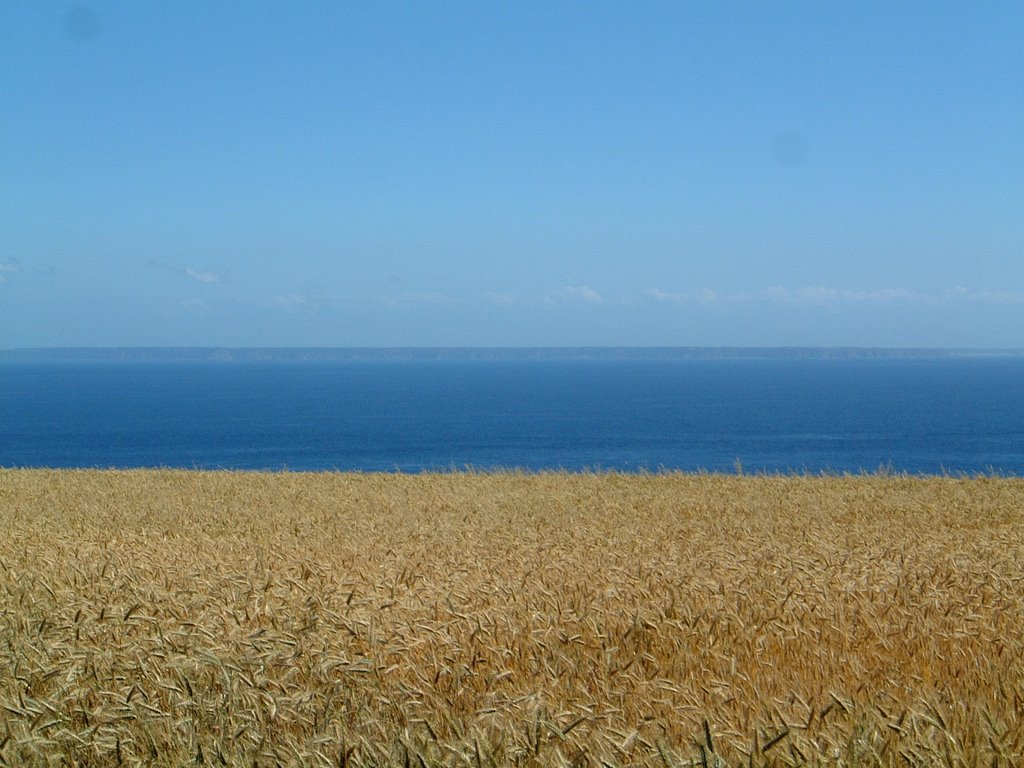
(313, 354)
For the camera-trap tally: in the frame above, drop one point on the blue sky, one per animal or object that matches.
(511, 174)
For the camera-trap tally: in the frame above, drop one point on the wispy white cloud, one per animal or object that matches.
(1000, 297)
(702, 296)
(499, 298)
(300, 301)
(660, 295)
(882, 294)
(575, 293)
(291, 302)
(8, 267)
(810, 294)
(818, 295)
(415, 297)
(205, 276)
(708, 296)
(824, 295)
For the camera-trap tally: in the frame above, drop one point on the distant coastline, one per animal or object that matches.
(328, 354)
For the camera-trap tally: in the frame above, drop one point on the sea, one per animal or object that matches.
(952, 415)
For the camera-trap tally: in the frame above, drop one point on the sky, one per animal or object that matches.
(511, 174)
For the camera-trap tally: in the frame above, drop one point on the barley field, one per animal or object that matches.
(174, 618)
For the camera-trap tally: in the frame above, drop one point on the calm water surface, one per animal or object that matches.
(913, 415)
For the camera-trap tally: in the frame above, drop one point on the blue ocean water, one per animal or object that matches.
(957, 415)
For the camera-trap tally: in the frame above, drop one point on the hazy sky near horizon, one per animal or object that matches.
(511, 174)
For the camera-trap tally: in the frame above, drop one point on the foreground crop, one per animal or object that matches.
(175, 618)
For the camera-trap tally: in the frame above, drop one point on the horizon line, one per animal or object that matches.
(313, 353)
